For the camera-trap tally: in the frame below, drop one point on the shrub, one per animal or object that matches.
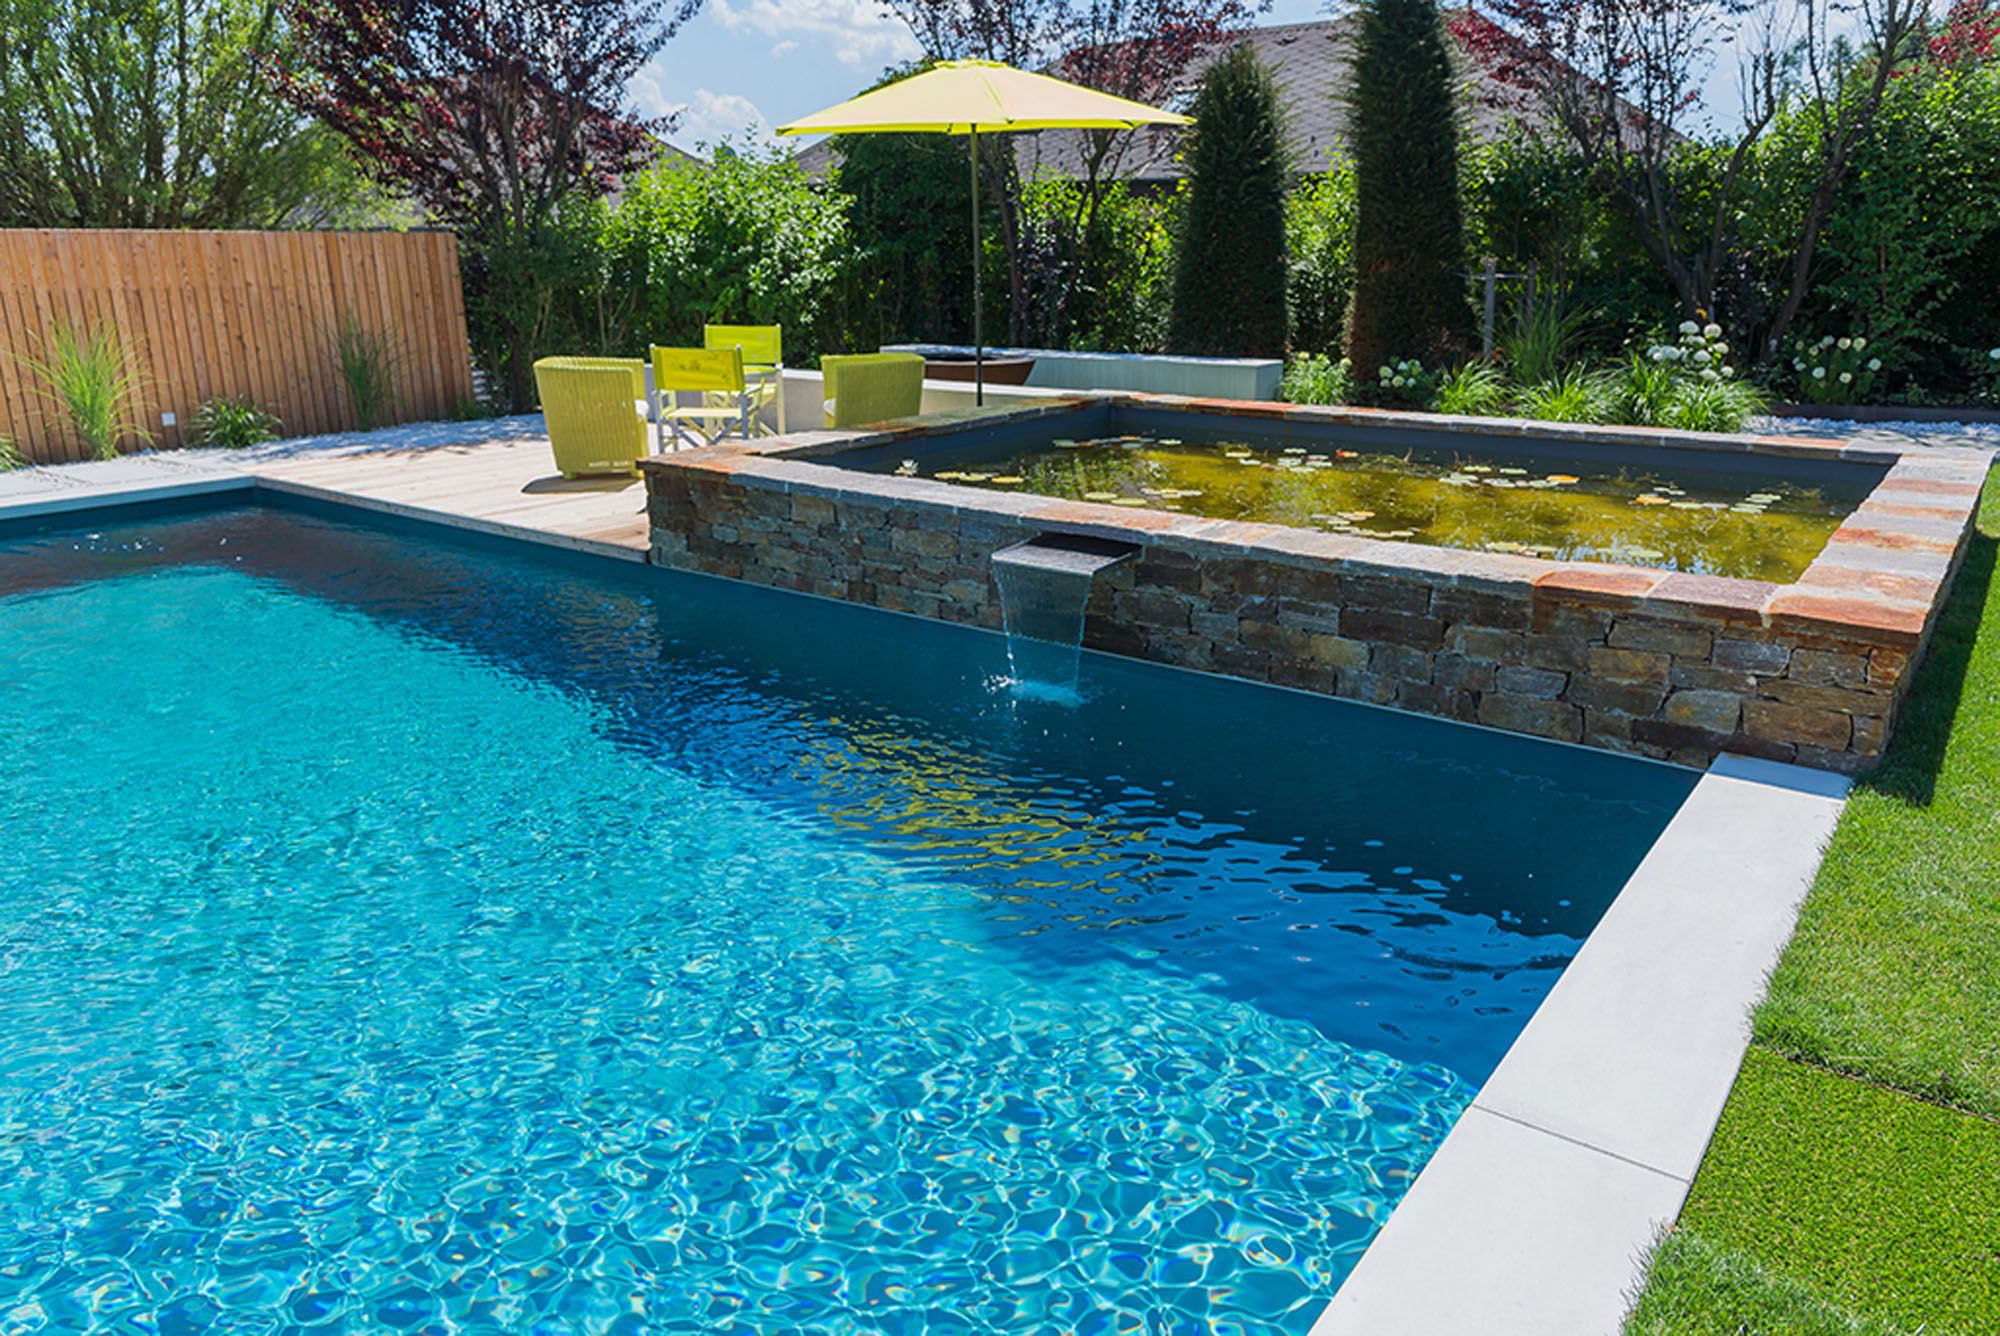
(1409, 298)
(1835, 370)
(87, 372)
(1993, 363)
(1313, 379)
(1229, 272)
(471, 410)
(1474, 389)
(1717, 405)
(368, 360)
(233, 424)
(1576, 395)
(1406, 382)
(1319, 249)
(743, 239)
(1096, 270)
(1541, 338)
(1645, 390)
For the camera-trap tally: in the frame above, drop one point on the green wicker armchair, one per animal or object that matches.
(595, 408)
(872, 387)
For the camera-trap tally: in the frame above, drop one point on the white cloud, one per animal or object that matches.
(782, 47)
(853, 32)
(714, 117)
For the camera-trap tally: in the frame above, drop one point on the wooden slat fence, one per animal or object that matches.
(230, 314)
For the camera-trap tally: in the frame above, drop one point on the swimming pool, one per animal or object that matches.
(408, 933)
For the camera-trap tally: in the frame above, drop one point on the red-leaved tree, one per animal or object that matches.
(491, 113)
(1618, 80)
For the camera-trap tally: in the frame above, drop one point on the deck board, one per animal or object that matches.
(506, 487)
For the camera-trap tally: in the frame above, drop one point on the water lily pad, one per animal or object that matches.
(1006, 480)
(1687, 505)
(1347, 454)
(1130, 501)
(1514, 472)
(1063, 443)
(1649, 499)
(1478, 468)
(1561, 478)
(1357, 515)
(1100, 496)
(976, 477)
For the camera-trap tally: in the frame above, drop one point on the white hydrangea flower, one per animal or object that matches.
(1718, 348)
(1859, 343)
(1846, 377)
(1874, 364)
(1701, 357)
(1798, 364)
(1690, 327)
(1819, 373)
(1711, 331)
(1845, 344)
(1995, 354)
(1728, 372)
(1826, 342)
(1708, 374)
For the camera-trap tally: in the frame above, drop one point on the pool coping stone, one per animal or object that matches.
(1534, 1216)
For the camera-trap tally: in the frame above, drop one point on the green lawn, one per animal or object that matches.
(1832, 1203)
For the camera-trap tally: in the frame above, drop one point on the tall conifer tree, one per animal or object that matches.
(1229, 269)
(1410, 298)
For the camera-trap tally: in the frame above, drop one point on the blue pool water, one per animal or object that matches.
(401, 935)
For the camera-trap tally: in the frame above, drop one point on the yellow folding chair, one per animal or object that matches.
(722, 403)
(595, 408)
(763, 348)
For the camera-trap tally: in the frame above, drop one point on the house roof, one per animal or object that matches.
(1308, 62)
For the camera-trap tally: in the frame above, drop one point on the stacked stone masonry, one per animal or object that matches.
(1673, 666)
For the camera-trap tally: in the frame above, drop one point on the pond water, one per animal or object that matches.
(1670, 517)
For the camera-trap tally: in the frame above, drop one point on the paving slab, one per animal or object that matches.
(1533, 1215)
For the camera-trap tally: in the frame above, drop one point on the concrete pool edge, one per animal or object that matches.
(1535, 1213)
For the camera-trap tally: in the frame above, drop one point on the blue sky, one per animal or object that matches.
(741, 67)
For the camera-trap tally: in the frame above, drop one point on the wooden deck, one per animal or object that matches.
(509, 488)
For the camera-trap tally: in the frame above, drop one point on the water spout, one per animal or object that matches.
(1044, 584)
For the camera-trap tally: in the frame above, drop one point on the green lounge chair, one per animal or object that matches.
(872, 387)
(595, 408)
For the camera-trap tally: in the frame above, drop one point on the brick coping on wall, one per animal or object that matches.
(1664, 664)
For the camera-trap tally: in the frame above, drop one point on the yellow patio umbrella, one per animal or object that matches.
(964, 97)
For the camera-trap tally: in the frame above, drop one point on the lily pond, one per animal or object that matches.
(1711, 523)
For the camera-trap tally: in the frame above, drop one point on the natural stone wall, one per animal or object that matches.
(1673, 666)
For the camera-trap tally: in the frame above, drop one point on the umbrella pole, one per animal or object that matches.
(978, 333)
